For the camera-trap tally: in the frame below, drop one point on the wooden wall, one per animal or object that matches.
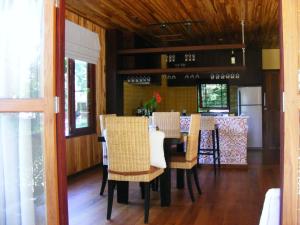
(84, 151)
(271, 59)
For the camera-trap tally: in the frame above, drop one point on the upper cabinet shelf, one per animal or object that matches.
(161, 50)
(181, 70)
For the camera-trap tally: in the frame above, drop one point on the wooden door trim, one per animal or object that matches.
(281, 81)
(49, 117)
(22, 105)
(290, 118)
(60, 117)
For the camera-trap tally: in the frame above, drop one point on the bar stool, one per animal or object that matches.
(208, 124)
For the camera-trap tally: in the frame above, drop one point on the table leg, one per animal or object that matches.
(180, 179)
(165, 178)
(180, 172)
(122, 192)
(165, 188)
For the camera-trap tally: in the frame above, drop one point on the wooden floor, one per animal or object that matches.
(233, 197)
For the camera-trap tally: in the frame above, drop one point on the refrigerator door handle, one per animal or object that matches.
(240, 108)
(265, 103)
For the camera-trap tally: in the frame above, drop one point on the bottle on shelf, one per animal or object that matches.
(232, 58)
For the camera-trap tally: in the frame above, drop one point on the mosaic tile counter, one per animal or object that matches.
(233, 139)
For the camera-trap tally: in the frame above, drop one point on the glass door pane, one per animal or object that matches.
(22, 179)
(28, 185)
(21, 44)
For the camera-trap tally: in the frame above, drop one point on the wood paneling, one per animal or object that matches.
(212, 21)
(84, 151)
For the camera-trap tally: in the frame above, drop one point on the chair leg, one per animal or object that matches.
(142, 186)
(218, 148)
(104, 179)
(111, 187)
(219, 161)
(214, 150)
(195, 172)
(154, 184)
(189, 182)
(199, 147)
(147, 202)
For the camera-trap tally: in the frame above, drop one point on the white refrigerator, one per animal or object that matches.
(250, 104)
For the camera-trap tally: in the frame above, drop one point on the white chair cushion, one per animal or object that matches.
(271, 210)
(157, 157)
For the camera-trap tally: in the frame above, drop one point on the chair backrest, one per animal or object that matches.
(192, 138)
(168, 122)
(128, 144)
(102, 121)
(207, 123)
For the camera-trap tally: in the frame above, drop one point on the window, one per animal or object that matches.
(213, 96)
(79, 97)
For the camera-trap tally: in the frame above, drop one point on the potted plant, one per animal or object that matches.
(151, 105)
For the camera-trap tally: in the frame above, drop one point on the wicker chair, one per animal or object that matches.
(208, 125)
(168, 122)
(104, 151)
(188, 160)
(129, 156)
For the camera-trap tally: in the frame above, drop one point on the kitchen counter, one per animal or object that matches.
(233, 139)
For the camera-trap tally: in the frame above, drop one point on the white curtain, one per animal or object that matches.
(21, 54)
(81, 43)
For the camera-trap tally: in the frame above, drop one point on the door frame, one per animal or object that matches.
(288, 158)
(60, 116)
(44, 105)
(290, 108)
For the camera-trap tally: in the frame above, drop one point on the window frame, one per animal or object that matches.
(91, 77)
(199, 100)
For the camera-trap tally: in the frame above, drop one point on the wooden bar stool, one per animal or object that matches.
(208, 125)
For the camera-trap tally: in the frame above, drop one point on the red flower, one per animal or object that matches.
(157, 97)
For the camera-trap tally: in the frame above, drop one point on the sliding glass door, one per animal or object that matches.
(28, 168)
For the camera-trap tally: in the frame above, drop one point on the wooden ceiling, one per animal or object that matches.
(187, 21)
